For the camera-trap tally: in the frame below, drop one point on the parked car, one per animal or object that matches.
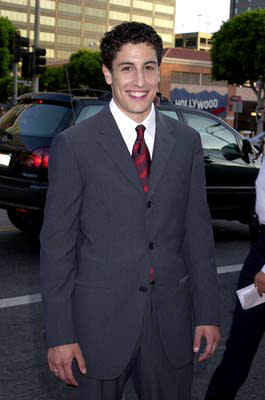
(27, 130)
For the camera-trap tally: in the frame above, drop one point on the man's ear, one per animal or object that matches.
(107, 74)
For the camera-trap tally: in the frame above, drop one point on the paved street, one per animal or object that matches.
(24, 374)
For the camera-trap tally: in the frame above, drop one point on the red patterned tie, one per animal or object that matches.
(142, 160)
(141, 157)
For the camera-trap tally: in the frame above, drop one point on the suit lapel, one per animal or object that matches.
(164, 142)
(111, 139)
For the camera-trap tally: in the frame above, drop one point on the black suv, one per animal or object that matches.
(27, 129)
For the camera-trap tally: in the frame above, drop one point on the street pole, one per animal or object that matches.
(35, 80)
(14, 83)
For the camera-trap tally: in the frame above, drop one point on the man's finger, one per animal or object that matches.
(207, 353)
(80, 361)
(197, 341)
(69, 377)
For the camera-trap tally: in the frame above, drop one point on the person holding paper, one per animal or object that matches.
(248, 326)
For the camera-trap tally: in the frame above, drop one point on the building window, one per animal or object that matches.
(46, 4)
(164, 9)
(50, 53)
(14, 15)
(124, 3)
(120, 16)
(44, 36)
(62, 54)
(206, 80)
(191, 43)
(142, 18)
(16, 2)
(89, 26)
(91, 42)
(69, 23)
(144, 5)
(71, 8)
(73, 40)
(185, 77)
(44, 20)
(95, 12)
(236, 10)
(202, 40)
(165, 23)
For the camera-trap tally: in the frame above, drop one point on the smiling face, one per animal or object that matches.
(134, 79)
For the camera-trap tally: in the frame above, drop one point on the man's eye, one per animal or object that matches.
(127, 68)
(149, 67)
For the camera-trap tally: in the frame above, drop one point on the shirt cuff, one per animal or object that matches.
(263, 269)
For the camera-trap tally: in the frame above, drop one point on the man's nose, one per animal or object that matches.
(139, 78)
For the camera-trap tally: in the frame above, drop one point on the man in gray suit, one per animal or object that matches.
(127, 256)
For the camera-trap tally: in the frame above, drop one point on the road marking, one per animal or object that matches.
(36, 298)
(229, 268)
(20, 301)
(8, 229)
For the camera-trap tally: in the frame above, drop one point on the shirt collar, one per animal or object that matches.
(127, 125)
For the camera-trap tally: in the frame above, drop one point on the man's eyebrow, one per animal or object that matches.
(131, 63)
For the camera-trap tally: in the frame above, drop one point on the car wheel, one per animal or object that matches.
(26, 221)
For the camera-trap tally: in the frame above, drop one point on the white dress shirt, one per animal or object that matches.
(260, 197)
(127, 127)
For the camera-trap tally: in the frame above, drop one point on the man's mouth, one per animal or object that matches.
(138, 95)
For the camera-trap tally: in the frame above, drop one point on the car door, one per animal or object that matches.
(230, 179)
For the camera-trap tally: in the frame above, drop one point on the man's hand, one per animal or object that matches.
(212, 336)
(60, 360)
(259, 282)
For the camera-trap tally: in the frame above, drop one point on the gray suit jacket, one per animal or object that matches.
(101, 233)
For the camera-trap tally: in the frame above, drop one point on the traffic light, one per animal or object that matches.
(39, 60)
(27, 65)
(21, 47)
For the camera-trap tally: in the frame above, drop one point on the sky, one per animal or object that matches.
(201, 15)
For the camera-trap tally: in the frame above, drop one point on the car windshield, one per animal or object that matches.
(35, 119)
(89, 111)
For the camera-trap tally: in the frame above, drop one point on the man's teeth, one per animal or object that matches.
(137, 94)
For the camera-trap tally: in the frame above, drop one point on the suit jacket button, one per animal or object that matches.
(149, 204)
(143, 289)
(151, 245)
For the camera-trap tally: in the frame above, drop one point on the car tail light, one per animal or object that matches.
(38, 158)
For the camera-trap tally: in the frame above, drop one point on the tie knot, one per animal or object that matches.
(140, 131)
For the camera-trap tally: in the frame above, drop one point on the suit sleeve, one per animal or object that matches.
(199, 246)
(58, 242)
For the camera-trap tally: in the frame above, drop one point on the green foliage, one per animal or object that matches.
(6, 86)
(84, 69)
(238, 51)
(54, 78)
(7, 33)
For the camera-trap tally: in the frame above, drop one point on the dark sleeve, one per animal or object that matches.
(58, 242)
(199, 246)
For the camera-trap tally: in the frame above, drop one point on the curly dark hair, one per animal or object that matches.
(129, 32)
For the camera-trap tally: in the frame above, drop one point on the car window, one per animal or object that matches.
(89, 111)
(35, 119)
(214, 134)
(170, 113)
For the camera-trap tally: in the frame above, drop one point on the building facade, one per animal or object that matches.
(68, 25)
(194, 40)
(186, 80)
(239, 6)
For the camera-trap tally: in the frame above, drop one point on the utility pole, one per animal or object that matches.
(14, 83)
(35, 80)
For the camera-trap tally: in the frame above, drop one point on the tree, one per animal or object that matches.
(54, 78)
(85, 70)
(7, 33)
(238, 55)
